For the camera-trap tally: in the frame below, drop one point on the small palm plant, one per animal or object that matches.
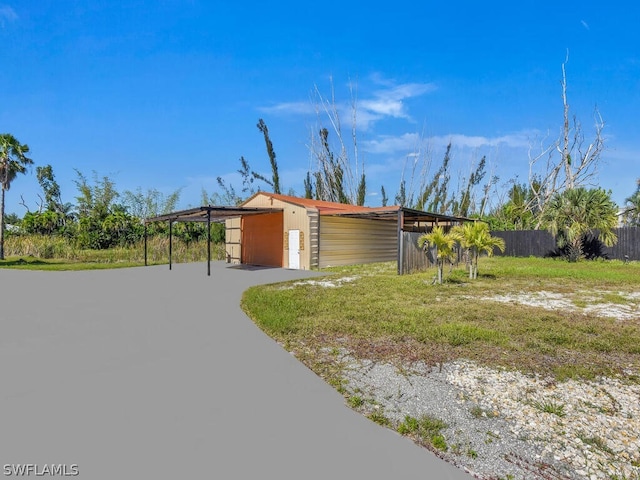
(576, 212)
(476, 238)
(444, 243)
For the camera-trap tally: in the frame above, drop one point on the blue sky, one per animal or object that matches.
(167, 94)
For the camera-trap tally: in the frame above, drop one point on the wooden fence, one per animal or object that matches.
(525, 243)
(540, 243)
(414, 258)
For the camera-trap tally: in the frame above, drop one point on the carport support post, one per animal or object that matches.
(170, 241)
(145, 244)
(400, 244)
(209, 243)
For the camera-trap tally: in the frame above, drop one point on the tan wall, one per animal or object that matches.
(233, 239)
(348, 241)
(294, 218)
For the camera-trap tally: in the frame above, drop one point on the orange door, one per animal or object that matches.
(262, 239)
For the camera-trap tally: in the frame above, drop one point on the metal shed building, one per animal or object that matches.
(306, 233)
(277, 230)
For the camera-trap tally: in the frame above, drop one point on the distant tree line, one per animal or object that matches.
(101, 217)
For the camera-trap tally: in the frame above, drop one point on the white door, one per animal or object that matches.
(294, 249)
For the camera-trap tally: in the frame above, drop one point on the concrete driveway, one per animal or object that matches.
(149, 373)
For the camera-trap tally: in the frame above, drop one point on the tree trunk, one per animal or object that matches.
(475, 267)
(471, 256)
(2, 223)
(575, 251)
(440, 269)
(566, 158)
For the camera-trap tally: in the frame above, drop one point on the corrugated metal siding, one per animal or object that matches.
(314, 238)
(347, 241)
(233, 237)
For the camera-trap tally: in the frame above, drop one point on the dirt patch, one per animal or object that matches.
(333, 283)
(626, 307)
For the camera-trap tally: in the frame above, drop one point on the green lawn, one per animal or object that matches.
(377, 314)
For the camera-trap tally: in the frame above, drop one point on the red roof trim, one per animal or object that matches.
(324, 208)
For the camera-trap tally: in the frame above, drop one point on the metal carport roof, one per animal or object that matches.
(409, 214)
(207, 213)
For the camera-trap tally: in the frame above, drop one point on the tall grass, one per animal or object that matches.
(55, 247)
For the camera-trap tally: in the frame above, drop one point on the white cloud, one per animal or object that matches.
(412, 142)
(585, 24)
(364, 119)
(515, 140)
(389, 101)
(384, 107)
(295, 108)
(391, 144)
(7, 14)
(408, 90)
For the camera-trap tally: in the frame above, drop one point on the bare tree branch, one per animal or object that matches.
(577, 165)
(24, 204)
(338, 177)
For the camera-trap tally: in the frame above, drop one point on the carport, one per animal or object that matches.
(258, 232)
(410, 224)
(209, 214)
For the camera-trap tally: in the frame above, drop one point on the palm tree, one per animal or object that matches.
(476, 238)
(632, 208)
(444, 243)
(13, 160)
(576, 212)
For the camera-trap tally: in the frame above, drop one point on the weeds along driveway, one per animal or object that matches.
(150, 373)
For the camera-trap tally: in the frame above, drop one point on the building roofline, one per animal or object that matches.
(320, 205)
(217, 212)
(324, 208)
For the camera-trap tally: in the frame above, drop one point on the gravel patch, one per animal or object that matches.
(559, 301)
(543, 299)
(333, 283)
(506, 425)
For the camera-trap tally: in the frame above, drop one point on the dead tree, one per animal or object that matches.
(567, 162)
(338, 171)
